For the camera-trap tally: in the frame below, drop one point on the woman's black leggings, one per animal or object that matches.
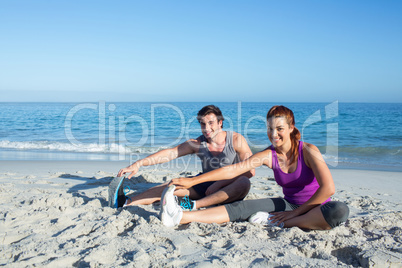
(334, 212)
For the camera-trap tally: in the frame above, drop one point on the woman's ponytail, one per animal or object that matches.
(295, 137)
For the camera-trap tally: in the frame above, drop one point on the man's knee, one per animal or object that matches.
(183, 192)
(243, 186)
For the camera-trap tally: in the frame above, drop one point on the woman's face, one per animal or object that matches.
(279, 131)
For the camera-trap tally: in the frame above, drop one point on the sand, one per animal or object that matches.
(55, 214)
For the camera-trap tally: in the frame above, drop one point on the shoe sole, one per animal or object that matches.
(259, 218)
(165, 191)
(114, 187)
(263, 219)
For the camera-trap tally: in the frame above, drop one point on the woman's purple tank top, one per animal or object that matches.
(298, 186)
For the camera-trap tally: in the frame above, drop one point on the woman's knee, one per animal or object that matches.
(335, 213)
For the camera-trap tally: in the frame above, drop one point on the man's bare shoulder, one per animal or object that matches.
(237, 136)
(194, 141)
(241, 146)
(190, 146)
(239, 141)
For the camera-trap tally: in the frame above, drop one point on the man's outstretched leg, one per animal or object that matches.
(237, 190)
(153, 195)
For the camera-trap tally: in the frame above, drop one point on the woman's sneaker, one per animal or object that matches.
(171, 212)
(262, 217)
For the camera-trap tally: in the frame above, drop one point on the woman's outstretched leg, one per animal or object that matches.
(209, 215)
(172, 214)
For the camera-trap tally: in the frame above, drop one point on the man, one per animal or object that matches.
(216, 148)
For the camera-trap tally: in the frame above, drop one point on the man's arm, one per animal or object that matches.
(243, 150)
(163, 156)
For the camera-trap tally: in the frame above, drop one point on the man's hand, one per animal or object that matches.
(133, 169)
(182, 183)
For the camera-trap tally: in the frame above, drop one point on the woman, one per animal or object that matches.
(298, 167)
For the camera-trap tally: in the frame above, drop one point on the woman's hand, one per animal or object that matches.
(182, 183)
(282, 216)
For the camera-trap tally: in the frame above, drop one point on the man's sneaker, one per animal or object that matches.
(117, 198)
(187, 204)
(171, 212)
(262, 217)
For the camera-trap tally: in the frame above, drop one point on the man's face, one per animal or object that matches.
(210, 126)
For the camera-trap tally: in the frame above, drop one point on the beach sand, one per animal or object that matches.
(55, 214)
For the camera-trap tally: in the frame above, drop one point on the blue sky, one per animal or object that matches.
(273, 51)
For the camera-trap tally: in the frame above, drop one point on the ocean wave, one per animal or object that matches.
(77, 148)
(332, 155)
(371, 151)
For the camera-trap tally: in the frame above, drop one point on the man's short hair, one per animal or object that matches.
(210, 109)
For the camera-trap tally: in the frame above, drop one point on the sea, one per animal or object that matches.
(349, 135)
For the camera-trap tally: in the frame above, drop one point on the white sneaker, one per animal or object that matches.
(262, 217)
(171, 212)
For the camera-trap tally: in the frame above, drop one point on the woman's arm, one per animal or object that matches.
(315, 161)
(227, 172)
